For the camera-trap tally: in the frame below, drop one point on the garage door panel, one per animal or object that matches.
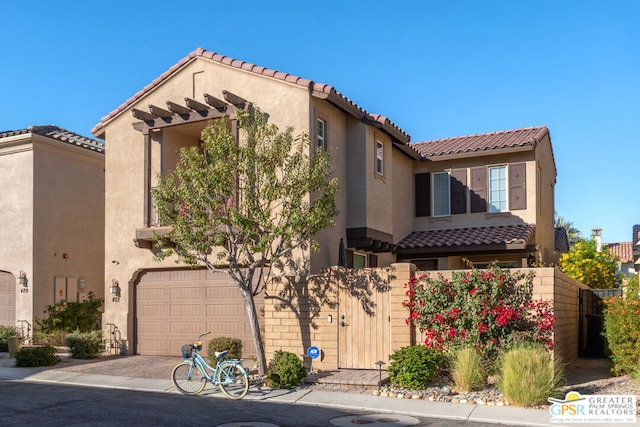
(184, 310)
(225, 310)
(150, 311)
(153, 292)
(185, 328)
(155, 346)
(149, 328)
(186, 292)
(192, 302)
(222, 292)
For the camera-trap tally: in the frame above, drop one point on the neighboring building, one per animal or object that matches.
(52, 221)
(484, 197)
(626, 257)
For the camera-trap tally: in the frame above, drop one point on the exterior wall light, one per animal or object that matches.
(114, 288)
(22, 279)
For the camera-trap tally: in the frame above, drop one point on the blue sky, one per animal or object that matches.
(435, 68)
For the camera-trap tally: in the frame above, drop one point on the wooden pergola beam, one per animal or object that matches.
(234, 99)
(142, 115)
(160, 112)
(195, 105)
(215, 102)
(177, 108)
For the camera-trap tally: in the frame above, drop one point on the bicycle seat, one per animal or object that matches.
(221, 354)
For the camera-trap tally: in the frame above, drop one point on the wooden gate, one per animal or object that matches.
(365, 319)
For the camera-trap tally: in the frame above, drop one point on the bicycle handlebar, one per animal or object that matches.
(202, 335)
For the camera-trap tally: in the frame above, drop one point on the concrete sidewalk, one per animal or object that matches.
(133, 373)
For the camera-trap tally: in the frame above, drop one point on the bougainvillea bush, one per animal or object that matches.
(490, 310)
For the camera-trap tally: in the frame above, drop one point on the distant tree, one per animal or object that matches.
(243, 205)
(573, 234)
(585, 264)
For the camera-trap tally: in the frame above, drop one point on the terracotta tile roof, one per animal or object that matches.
(481, 142)
(623, 250)
(320, 90)
(59, 134)
(507, 236)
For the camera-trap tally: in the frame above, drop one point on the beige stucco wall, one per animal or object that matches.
(68, 219)
(52, 203)
(287, 105)
(337, 143)
(545, 189)
(16, 212)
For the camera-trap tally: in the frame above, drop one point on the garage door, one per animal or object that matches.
(174, 307)
(7, 299)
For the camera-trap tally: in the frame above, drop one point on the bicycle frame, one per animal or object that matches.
(200, 362)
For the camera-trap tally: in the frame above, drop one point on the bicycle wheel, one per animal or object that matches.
(233, 380)
(188, 378)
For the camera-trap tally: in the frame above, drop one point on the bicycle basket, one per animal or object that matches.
(186, 350)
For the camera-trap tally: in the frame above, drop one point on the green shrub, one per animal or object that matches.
(219, 344)
(466, 370)
(85, 345)
(414, 366)
(5, 333)
(622, 332)
(69, 316)
(529, 375)
(29, 357)
(285, 371)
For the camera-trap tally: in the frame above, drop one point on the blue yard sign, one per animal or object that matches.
(313, 352)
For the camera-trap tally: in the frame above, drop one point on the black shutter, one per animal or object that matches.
(459, 191)
(517, 186)
(349, 258)
(373, 260)
(423, 194)
(478, 189)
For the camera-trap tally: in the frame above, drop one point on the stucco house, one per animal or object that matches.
(52, 227)
(433, 203)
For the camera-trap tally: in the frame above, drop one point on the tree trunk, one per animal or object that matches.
(250, 304)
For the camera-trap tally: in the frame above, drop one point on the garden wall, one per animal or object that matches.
(301, 312)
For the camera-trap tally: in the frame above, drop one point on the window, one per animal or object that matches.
(498, 189)
(379, 158)
(441, 194)
(321, 134)
(359, 260)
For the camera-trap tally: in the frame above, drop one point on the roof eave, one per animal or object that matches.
(482, 153)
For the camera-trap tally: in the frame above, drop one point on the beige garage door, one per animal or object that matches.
(174, 307)
(7, 299)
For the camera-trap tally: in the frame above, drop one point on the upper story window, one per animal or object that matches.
(321, 134)
(379, 158)
(359, 260)
(498, 201)
(441, 194)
